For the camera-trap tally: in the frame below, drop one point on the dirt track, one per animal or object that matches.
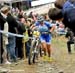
(63, 62)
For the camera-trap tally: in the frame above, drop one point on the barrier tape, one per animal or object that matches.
(13, 34)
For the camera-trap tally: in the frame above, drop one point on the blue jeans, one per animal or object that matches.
(11, 47)
(27, 47)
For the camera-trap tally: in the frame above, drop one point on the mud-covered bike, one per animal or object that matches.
(34, 48)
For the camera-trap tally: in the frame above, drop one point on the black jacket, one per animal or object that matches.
(14, 23)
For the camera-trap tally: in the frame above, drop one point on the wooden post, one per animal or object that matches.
(25, 39)
(24, 49)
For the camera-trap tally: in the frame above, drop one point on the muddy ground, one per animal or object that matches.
(62, 63)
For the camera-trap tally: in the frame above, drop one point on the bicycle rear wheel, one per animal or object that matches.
(30, 57)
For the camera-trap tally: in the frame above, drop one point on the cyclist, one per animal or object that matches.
(45, 38)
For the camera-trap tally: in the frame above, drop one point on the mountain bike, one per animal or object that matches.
(34, 48)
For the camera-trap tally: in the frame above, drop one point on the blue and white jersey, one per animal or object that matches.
(45, 27)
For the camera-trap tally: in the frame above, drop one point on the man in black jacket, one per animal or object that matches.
(11, 46)
(13, 26)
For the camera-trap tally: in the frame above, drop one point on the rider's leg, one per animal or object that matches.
(43, 43)
(48, 43)
(44, 47)
(50, 59)
(49, 50)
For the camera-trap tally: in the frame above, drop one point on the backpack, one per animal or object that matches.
(69, 11)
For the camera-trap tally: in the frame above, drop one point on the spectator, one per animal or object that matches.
(66, 15)
(20, 15)
(14, 25)
(70, 41)
(63, 4)
(59, 3)
(67, 18)
(19, 44)
(12, 40)
(29, 34)
(3, 16)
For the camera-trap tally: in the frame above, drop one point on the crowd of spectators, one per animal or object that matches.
(17, 22)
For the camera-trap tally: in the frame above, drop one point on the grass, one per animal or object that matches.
(59, 42)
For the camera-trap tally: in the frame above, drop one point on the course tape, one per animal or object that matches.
(12, 34)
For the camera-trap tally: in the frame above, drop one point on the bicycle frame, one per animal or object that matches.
(34, 50)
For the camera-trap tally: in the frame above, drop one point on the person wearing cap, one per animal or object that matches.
(44, 26)
(13, 25)
(4, 25)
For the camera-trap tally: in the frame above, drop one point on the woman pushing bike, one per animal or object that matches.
(45, 28)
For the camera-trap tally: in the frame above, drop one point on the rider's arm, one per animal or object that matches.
(52, 28)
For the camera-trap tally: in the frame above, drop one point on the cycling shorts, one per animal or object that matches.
(46, 39)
